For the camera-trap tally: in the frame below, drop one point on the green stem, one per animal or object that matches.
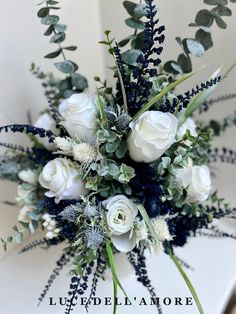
(186, 279)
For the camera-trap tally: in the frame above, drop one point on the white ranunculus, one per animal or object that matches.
(28, 176)
(45, 121)
(151, 135)
(190, 125)
(23, 214)
(121, 213)
(79, 117)
(197, 181)
(60, 177)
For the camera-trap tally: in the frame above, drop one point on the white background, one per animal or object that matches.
(22, 277)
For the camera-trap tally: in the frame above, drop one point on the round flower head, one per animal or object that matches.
(60, 178)
(79, 117)
(121, 213)
(196, 180)
(151, 135)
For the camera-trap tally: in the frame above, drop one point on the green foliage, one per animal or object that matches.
(56, 30)
(202, 41)
(136, 12)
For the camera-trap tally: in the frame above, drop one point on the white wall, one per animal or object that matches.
(22, 42)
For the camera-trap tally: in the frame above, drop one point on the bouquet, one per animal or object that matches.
(127, 169)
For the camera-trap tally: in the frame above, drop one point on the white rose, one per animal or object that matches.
(23, 216)
(190, 125)
(60, 177)
(197, 181)
(79, 115)
(28, 176)
(152, 134)
(45, 121)
(121, 213)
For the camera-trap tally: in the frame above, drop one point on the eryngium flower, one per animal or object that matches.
(69, 213)
(122, 122)
(90, 211)
(93, 237)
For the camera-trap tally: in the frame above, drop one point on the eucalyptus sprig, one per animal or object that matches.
(202, 41)
(74, 81)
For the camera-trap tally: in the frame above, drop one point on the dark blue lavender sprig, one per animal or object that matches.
(137, 260)
(78, 287)
(35, 244)
(16, 147)
(139, 89)
(214, 232)
(99, 271)
(61, 263)
(209, 103)
(29, 129)
(182, 101)
(147, 61)
(224, 155)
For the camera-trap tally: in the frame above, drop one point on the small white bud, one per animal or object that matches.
(50, 235)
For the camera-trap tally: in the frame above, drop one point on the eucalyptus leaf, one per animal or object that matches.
(216, 2)
(67, 93)
(204, 38)
(124, 42)
(49, 31)
(195, 47)
(58, 38)
(79, 81)
(168, 67)
(43, 12)
(179, 41)
(65, 84)
(223, 10)
(50, 20)
(177, 67)
(52, 2)
(60, 27)
(65, 67)
(131, 22)
(220, 22)
(185, 63)
(204, 18)
(130, 6)
(18, 238)
(74, 65)
(70, 48)
(130, 56)
(140, 10)
(53, 54)
(137, 43)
